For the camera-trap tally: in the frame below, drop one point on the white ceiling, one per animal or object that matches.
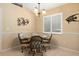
(45, 6)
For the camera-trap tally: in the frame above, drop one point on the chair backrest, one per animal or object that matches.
(50, 38)
(36, 42)
(19, 38)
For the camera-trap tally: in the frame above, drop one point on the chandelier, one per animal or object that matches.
(38, 11)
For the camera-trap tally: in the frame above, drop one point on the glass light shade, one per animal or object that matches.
(35, 10)
(36, 14)
(43, 12)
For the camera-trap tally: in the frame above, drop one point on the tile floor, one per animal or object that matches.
(50, 52)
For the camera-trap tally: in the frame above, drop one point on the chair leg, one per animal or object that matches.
(42, 54)
(33, 54)
(22, 49)
(44, 48)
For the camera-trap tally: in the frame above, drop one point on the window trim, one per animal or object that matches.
(51, 23)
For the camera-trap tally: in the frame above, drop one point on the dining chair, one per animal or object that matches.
(36, 46)
(23, 42)
(47, 41)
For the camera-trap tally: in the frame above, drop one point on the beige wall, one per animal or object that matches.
(11, 13)
(10, 28)
(70, 36)
(10, 40)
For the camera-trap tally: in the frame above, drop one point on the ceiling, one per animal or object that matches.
(45, 6)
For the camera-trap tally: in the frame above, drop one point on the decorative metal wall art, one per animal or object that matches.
(22, 21)
(72, 18)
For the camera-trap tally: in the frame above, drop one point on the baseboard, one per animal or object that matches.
(4, 50)
(69, 49)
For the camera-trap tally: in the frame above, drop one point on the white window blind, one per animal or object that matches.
(52, 24)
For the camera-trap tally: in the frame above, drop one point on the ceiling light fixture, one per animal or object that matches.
(39, 12)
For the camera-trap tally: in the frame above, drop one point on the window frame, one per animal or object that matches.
(61, 32)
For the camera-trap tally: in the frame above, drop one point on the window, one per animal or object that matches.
(52, 24)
